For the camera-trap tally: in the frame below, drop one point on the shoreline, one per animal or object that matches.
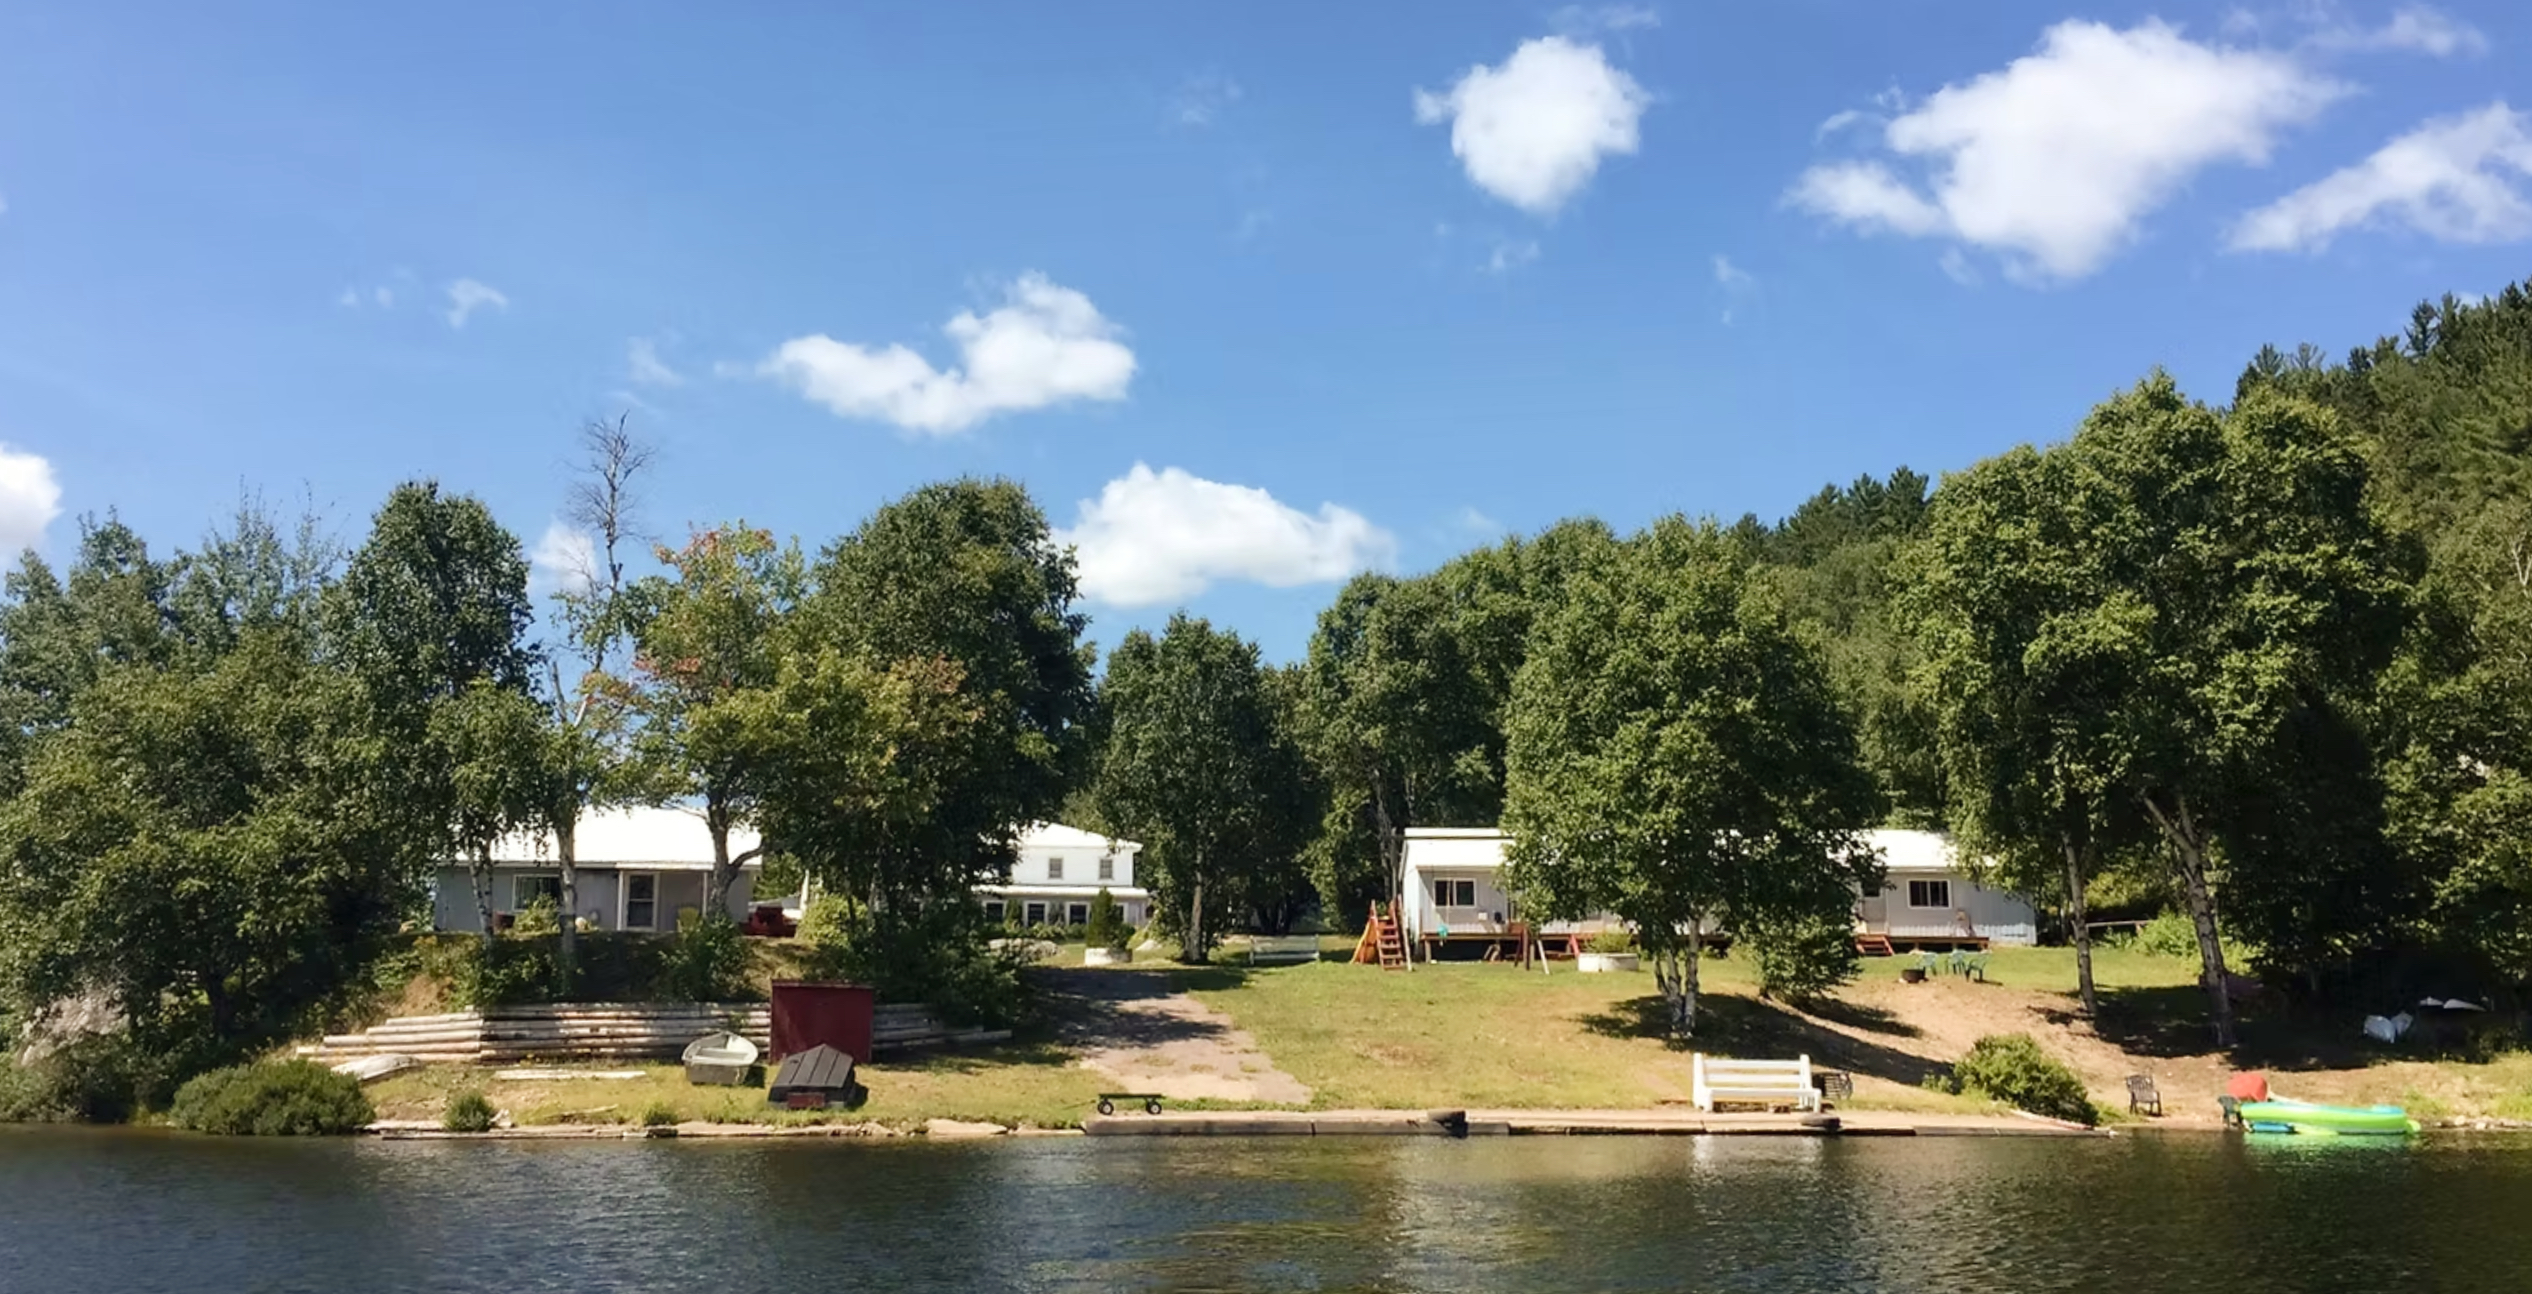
(1452, 1123)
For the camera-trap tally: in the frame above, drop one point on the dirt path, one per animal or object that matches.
(1130, 1026)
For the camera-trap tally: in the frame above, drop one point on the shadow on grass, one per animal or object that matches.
(1131, 1007)
(1739, 1026)
(1038, 1052)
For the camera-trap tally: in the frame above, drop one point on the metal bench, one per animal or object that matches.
(1283, 948)
(1753, 1082)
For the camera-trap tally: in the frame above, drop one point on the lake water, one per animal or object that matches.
(84, 1210)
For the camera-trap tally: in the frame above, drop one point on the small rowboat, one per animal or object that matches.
(720, 1059)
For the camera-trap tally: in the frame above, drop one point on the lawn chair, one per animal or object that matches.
(1928, 961)
(1975, 964)
(1960, 961)
(2142, 1096)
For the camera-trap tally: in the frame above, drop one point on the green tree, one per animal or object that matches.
(711, 642)
(431, 610)
(1677, 759)
(963, 577)
(1194, 769)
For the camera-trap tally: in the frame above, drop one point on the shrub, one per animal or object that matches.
(1106, 928)
(659, 1114)
(505, 972)
(468, 1111)
(2011, 1068)
(104, 1078)
(707, 963)
(542, 916)
(1804, 959)
(290, 1098)
(2169, 935)
(1612, 941)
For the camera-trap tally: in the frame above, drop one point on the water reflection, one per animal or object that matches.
(84, 1211)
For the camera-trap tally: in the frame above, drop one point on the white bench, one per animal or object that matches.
(1753, 1082)
(1283, 948)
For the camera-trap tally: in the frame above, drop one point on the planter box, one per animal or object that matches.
(1105, 957)
(1605, 962)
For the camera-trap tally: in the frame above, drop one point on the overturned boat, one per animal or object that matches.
(720, 1059)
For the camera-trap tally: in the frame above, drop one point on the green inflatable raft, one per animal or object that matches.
(2278, 1114)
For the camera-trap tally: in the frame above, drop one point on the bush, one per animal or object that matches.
(707, 963)
(99, 1079)
(1612, 941)
(659, 1114)
(2169, 935)
(468, 1111)
(1804, 959)
(2011, 1068)
(505, 972)
(1106, 928)
(290, 1098)
(543, 916)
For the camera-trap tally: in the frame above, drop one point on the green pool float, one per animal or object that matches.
(2279, 1114)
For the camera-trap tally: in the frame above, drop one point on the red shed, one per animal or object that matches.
(836, 1015)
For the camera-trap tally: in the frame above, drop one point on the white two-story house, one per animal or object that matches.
(1059, 871)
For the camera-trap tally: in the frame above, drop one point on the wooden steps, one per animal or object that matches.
(1871, 945)
(611, 1031)
(1383, 943)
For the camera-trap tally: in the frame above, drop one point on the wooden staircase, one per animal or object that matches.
(1871, 945)
(1382, 942)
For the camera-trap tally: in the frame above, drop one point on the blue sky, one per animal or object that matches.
(1353, 286)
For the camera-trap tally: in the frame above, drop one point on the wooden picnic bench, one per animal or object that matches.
(1108, 1101)
(1752, 1082)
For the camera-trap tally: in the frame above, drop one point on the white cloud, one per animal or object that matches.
(1045, 345)
(1532, 131)
(1731, 275)
(1957, 268)
(1201, 99)
(30, 498)
(1510, 254)
(2455, 178)
(1478, 523)
(644, 366)
(2055, 160)
(1154, 537)
(466, 296)
(386, 297)
(350, 297)
(2413, 27)
(565, 560)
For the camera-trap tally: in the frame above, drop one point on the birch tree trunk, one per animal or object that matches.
(2077, 918)
(2189, 865)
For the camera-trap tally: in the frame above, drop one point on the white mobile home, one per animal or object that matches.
(1454, 891)
(1058, 871)
(1931, 898)
(636, 869)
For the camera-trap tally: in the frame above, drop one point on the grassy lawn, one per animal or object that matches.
(1021, 1084)
(1478, 1035)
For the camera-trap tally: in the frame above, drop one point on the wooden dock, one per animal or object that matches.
(1665, 1122)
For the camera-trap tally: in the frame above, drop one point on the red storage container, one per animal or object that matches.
(807, 1014)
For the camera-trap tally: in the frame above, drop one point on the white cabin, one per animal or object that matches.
(635, 869)
(1454, 888)
(1058, 871)
(1931, 898)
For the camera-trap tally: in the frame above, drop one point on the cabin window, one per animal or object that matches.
(993, 911)
(525, 890)
(1054, 869)
(1076, 914)
(641, 901)
(1929, 894)
(1033, 914)
(1454, 894)
(1107, 869)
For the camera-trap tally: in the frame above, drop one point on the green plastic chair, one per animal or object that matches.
(1975, 965)
(1927, 961)
(1960, 961)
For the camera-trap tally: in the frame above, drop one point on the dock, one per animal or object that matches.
(1682, 1122)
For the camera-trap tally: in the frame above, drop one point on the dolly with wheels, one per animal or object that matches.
(1108, 1101)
